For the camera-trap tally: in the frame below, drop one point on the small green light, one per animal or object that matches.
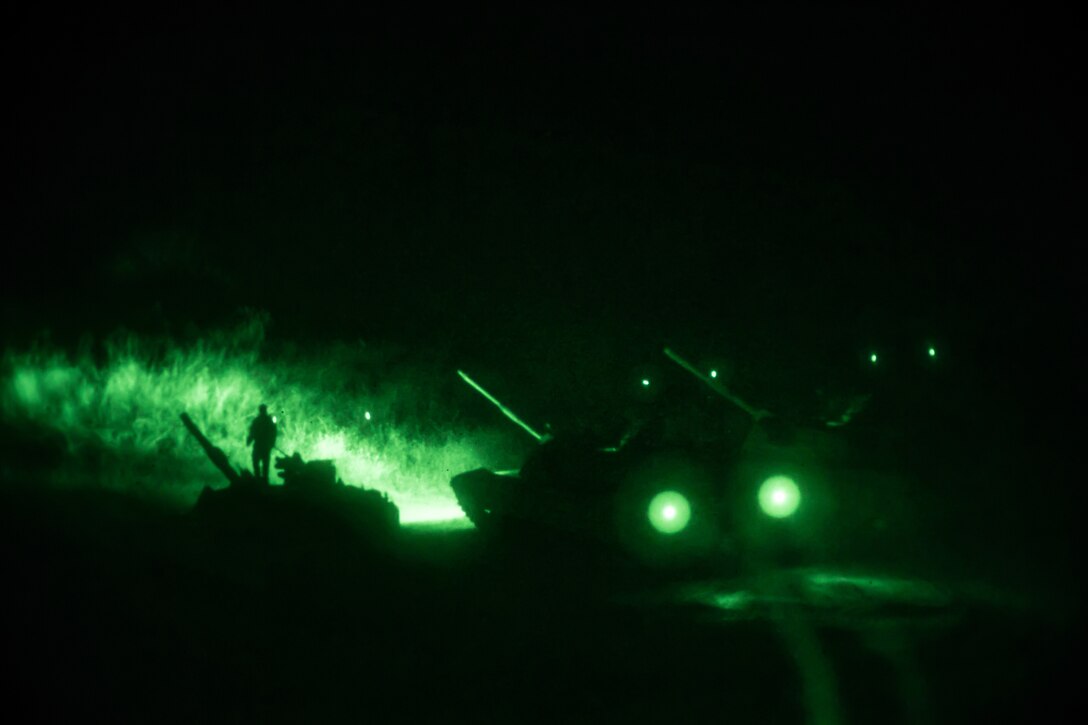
(932, 352)
(713, 373)
(367, 415)
(274, 419)
(872, 358)
(645, 382)
(669, 512)
(779, 496)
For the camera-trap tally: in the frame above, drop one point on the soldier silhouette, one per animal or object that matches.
(262, 436)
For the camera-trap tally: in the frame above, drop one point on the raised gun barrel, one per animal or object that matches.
(502, 408)
(757, 414)
(214, 453)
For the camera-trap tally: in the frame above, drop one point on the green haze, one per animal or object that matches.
(387, 425)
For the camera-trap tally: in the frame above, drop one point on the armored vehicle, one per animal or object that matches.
(311, 497)
(661, 493)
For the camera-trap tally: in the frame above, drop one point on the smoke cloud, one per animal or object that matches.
(388, 422)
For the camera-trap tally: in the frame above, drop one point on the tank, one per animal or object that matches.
(657, 495)
(311, 499)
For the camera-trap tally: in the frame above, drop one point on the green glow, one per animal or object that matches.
(779, 496)
(331, 446)
(933, 352)
(669, 512)
(125, 403)
(450, 515)
(733, 600)
(645, 382)
(713, 373)
(26, 388)
(828, 587)
(872, 358)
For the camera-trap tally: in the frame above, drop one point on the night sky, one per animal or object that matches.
(806, 179)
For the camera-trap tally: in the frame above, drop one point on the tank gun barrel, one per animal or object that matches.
(505, 411)
(757, 414)
(213, 452)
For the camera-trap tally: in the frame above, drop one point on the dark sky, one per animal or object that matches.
(415, 176)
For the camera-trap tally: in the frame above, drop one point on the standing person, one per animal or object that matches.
(262, 436)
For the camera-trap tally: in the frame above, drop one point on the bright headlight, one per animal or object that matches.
(669, 512)
(779, 496)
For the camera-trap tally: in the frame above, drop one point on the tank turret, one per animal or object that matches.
(310, 490)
